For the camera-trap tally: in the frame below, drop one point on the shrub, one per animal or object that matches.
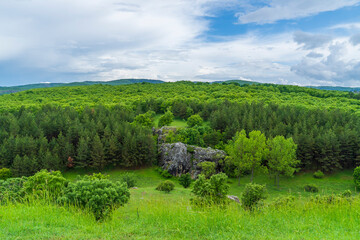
(283, 201)
(194, 120)
(46, 184)
(97, 176)
(185, 180)
(163, 173)
(129, 179)
(99, 196)
(210, 191)
(318, 174)
(311, 188)
(357, 177)
(12, 189)
(166, 186)
(5, 173)
(207, 168)
(252, 194)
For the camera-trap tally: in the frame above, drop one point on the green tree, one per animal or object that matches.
(194, 120)
(247, 153)
(166, 119)
(97, 153)
(83, 153)
(282, 157)
(207, 168)
(146, 119)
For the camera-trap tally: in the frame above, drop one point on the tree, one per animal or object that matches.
(166, 119)
(282, 157)
(194, 120)
(185, 180)
(146, 119)
(97, 153)
(207, 168)
(247, 153)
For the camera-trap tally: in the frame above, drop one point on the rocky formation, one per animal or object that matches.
(162, 133)
(179, 158)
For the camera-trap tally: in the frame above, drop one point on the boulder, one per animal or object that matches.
(178, 158)
(234, 198)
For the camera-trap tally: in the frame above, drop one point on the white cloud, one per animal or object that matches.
(277, 10)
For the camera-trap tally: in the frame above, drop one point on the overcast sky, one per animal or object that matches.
(302, 42)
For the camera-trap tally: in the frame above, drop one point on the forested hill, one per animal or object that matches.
(14, 89)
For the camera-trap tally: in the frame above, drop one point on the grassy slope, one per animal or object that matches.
(154, 215)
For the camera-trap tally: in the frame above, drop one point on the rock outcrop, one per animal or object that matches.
(179, 158)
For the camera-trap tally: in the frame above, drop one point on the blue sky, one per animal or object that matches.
(302, 42)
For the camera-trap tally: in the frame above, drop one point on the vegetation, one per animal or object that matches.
(357, 177)
(185, 180)
(252, 194)
(311, 188)
(166, 186)
(319, 174)
(207, 168)
(5, 173)
(194, 120)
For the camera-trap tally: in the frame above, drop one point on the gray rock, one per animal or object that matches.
(234, 198)
(179, 158)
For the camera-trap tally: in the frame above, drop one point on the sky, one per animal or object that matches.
(299, 42)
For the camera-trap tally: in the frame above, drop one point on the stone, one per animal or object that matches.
(234, 198)
(179, 158)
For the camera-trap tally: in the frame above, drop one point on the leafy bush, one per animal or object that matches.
(12, 189)
(207, 168)
(164, 173)
(357, 177)
(252, 194)
(318, 174)
(5, 173)
(100, 196)
(46, 184)
(166, 186)
(210, 191)
(129, 179)
(185, 180)
(311, 188)
(194, 120)
(166, 119)
(283, 201)
(97, 176)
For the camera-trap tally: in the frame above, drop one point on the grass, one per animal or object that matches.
(151, 214)
(178, 122)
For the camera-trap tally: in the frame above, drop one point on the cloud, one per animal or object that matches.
(311, 41)
(314, 55)
(355, 39)
(276, 10)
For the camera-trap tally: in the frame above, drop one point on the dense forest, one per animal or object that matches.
(97, 126)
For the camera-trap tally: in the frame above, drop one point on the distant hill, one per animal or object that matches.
(344, 89)
(240, 82)
(5, 90)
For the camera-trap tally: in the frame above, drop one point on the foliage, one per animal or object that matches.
(318, 174)
(282, 157)
(129, 179)
(252, 194)
(45, 184)
(185, 180)
(210, 191)
(166, 119)
(356, 176)
(100, 196)
(12, 189)
(5, 173)
(164, 173)
(346, 193)
(146, 119)
(166, 186)
(97, 176)
(207, 168)
(247, 152)
(311, 188)
(194, 120)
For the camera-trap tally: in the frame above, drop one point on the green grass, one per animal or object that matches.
(178, 122)
(151, 214)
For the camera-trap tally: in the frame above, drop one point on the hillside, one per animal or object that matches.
(14, 89)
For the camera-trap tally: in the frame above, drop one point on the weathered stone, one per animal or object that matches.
(162, 133)
(234, 198)
(179, 158)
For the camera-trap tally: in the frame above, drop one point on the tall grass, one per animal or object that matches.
(167, 218)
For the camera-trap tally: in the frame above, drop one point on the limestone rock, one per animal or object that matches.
(178, 158)
(234, 198)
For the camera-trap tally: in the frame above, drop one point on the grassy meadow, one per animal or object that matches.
(155, 215)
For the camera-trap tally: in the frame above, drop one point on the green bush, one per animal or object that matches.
(194, 120)
(357, 177)
(207, 168)
(252, 194)
(166, 186)
(97, 176)
(346, 193)
(129, 179)
(210, 191)
(163, 173)
(311, 188)
(12, 189)
(283, 201)
(46, 184)
(5, 173)
(99, 196)
(318, 174)
(185, 180)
